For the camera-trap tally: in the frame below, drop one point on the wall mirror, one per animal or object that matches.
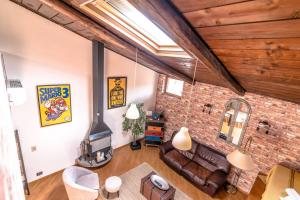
(234, 121)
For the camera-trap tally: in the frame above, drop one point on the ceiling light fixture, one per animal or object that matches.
(133, 112)
(182, 140)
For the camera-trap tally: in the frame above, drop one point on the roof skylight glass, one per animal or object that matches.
(134, 25)
(142, 23)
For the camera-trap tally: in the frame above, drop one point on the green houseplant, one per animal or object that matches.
(135, 126)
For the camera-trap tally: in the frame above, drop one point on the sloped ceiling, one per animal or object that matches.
(251, 46)
(257, 41)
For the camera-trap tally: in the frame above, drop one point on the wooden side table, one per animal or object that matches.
(151, 192)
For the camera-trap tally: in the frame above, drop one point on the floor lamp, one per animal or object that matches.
(241, 159)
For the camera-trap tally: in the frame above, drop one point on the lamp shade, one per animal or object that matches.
(133, 112)
(182, 140)
(241, 160)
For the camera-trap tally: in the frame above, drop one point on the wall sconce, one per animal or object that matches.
(263, 126)
(207, 108)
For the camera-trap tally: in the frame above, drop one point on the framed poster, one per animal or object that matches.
(116, 92)
(54, 104)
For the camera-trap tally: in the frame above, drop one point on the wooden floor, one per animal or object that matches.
(257, 190)
(52, 188)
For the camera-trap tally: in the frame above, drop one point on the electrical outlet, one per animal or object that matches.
(33, 148)
(39, 173)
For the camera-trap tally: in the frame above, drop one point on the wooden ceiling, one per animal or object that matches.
(257, 41)
(245, 45)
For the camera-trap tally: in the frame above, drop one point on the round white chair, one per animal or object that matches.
(112, 185)
(81, 183)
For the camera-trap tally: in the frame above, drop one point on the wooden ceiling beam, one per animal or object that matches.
(168, 19)
(81, 2)
(192, 5)
(92, 30)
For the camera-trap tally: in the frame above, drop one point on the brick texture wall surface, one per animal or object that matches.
(281, 145)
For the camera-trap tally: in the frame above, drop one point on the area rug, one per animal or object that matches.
(131, 181)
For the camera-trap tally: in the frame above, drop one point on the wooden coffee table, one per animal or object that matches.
(151, 192)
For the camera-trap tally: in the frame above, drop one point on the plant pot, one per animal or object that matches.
(136, 145)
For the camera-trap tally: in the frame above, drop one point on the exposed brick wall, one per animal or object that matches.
(282, 145)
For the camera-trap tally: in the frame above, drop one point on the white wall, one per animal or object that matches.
(143, 90)
(38, 51)
(10, 175)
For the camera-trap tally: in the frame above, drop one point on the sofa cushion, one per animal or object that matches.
(166, 147)
(190, 154)
(217, 179)
(194, 146)
(211, 159)
(204, 163)
(176, 159)
(196, 173)
(187, 154)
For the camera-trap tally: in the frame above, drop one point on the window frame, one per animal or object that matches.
(102, 11)
(166, 84)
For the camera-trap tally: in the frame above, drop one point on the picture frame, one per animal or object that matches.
(116, 92)
(54, 102)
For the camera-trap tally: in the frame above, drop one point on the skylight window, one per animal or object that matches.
(125, 18)
(142, 23)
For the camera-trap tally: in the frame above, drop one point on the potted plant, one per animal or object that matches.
(135, 126)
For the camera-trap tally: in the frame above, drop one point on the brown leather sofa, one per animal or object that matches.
(203, 166)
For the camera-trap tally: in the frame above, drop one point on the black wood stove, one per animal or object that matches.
(96, 149)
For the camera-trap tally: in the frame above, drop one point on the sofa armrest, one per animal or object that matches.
(218, 178)
(166, 147)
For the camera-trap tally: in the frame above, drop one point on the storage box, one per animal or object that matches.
(151, 192)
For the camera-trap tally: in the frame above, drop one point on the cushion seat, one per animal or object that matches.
(81, 183)
(89, 181)
(176, 159)
(196, 173)
(113, 184)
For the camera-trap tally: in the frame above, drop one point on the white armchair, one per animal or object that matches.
(81, 183)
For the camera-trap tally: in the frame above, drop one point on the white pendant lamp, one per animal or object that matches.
(132, 112)
(182, 140)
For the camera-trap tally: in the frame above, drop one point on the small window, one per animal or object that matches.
(174, 86)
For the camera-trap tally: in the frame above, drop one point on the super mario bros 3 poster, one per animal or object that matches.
(54, 104)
